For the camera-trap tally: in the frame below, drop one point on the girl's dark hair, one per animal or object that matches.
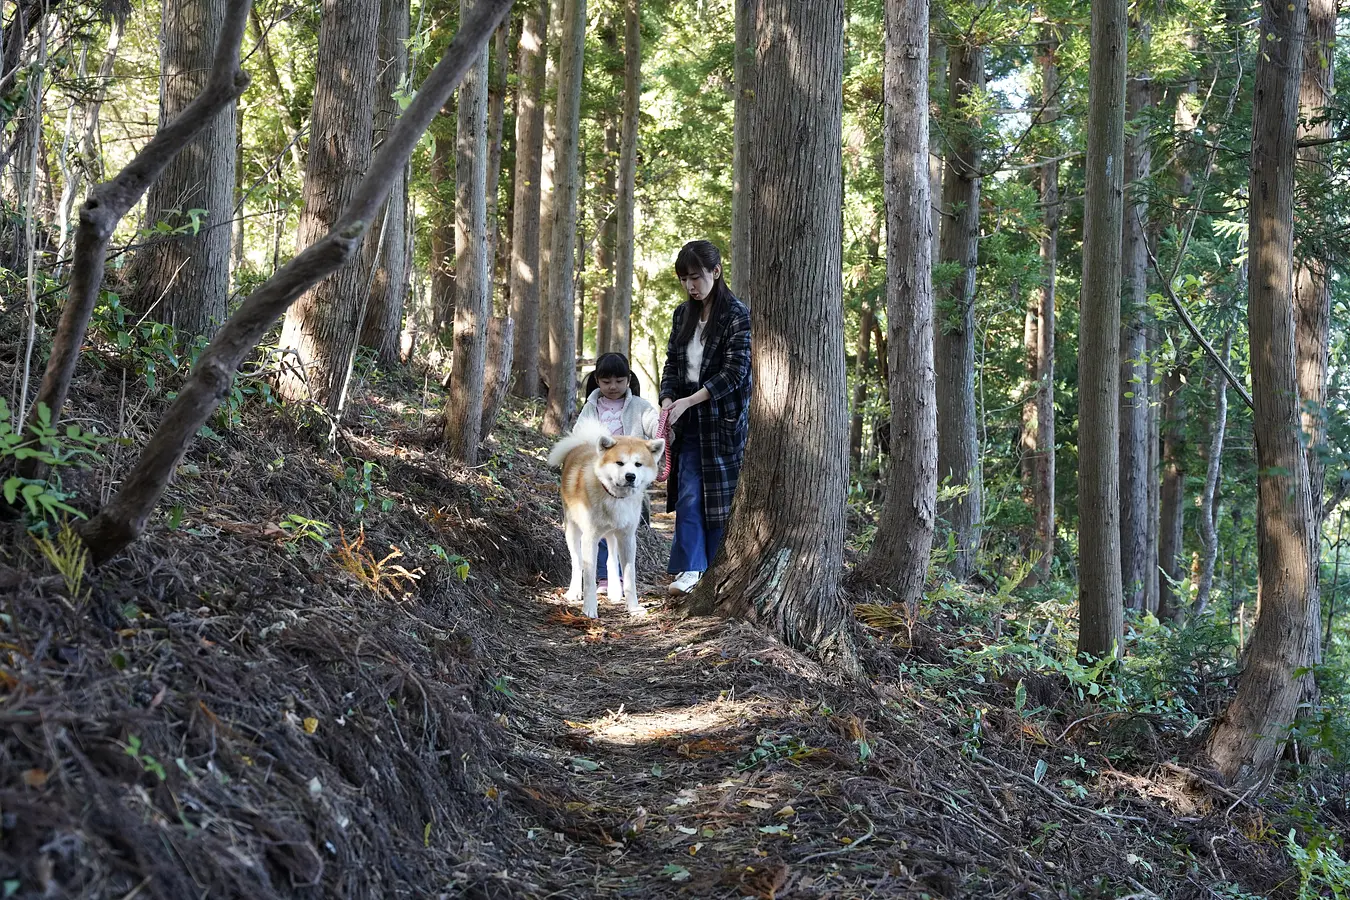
(611, 365)
(695, 257)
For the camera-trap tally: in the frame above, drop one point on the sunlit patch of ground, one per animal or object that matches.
(620, 727)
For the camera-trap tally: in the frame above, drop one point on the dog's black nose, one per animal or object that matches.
(631, 477)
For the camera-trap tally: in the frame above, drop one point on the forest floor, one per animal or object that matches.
(256, 700)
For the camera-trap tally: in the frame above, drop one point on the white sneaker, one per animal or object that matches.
(685, 582)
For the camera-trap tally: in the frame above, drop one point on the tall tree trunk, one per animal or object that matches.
(1026, 439)
(1209, 500)
(780, 566)
(1171, 565)
(184, 280)
(442, 238)
(1153, 484)
(525, 277)
(1043, 472)
(496, 120)
(622, 331)
(904, 537)
(579, 262)
(1246, 742)
(954, 351)
(1101, 614)
(548, 186)
(1135, 563)
(861, 363)
(473, 294)
(562, 382)
(383, 325)
(322, 327)
(497, 372)
(747, 14)
(937, 92)
(1312, 288)
(603, 281)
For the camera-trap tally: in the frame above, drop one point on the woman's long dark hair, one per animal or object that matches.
(611, 365)
(696, 257)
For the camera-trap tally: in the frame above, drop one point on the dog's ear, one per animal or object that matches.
(656, 446)
(606, 441)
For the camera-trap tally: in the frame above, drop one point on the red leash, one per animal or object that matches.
(663, 431)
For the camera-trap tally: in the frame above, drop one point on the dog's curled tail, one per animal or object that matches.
(587, 432)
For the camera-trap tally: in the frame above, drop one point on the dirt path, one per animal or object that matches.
(700, 757)
(651, 720)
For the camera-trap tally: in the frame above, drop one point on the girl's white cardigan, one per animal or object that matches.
(639, 416)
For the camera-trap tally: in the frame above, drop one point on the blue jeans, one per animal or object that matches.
(695, 542)
(602, 562)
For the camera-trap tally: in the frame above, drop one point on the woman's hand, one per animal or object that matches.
(677, 409)
(667, 403)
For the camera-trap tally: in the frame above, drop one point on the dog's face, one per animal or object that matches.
(627, 465)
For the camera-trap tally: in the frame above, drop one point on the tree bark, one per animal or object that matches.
(548, 188)
(123, 520)
(622, 331)
(562, 382)
(496, 122)
(497, 375)
(386, 257)
(743, 75)
(1153, 485)
(937, 92)
(1171, 564)
(607, 240)
(1137, 567)
(525, 273)
(1250, 734)
(780, 565)
(473, 294)
(1043, 470)
(954, 351)
(183, 280)
(579, 262)
(1312, 287)
(322, 328)
(1209, 500)
(861, 363)
(442, 239)
(904, 537)
(1101, 615)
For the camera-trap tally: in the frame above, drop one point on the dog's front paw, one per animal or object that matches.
(573, 595)
(636, 612)
(591, 610)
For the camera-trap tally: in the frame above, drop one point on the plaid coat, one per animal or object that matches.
(724, 421)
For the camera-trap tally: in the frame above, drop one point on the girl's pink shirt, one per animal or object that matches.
(611, 413)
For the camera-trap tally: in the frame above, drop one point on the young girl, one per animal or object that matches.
(612, 400)
(706, 386)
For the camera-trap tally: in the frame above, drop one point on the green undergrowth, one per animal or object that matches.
(1000, 667)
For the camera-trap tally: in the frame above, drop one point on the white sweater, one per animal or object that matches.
(639, 416)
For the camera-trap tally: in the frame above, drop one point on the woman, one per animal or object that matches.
(706, 387)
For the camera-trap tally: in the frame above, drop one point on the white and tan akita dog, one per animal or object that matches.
(604, 480)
